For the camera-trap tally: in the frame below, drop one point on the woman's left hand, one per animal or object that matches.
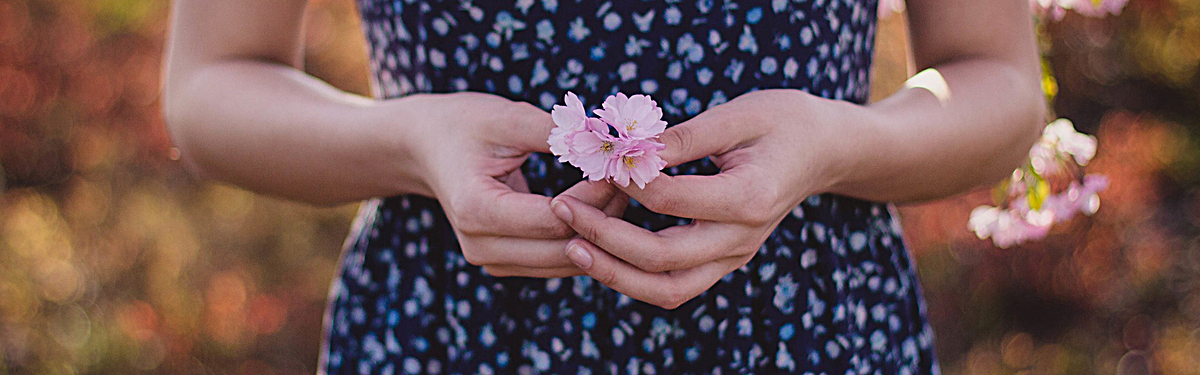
(774, 148)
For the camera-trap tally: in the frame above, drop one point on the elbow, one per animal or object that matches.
(1031, 120)
(1021, 123)
(1028, 122)
(179, 119)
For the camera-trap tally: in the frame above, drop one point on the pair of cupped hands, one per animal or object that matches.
(767, 144)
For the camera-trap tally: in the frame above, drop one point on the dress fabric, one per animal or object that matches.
(832, 291)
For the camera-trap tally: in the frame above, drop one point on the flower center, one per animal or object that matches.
(632, 124)
(606, 147)
(629, 162)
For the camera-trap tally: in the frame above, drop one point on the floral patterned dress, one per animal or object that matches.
(832, 291)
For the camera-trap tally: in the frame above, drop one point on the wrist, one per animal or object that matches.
(844, 143)
(393, 138)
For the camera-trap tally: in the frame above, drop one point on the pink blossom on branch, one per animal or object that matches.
(1020, 223)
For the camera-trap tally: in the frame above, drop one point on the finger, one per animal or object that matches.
(733, 195)
(512, 251)
(496, 210)
(616, 207)
(701, 136)
(600, 228)
(600, 194)
(516, 181)
(674, 248)
(527, 130)
(593, 193)
(543, 273)
(668, 290)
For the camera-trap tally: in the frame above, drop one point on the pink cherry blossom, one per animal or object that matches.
(636, 117)
(569, 119)
(594, 150)
(587, 142)
(637, 160)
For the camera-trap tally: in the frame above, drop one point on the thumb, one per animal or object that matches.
(528, 130)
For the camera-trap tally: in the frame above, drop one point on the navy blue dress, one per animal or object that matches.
(832, 291)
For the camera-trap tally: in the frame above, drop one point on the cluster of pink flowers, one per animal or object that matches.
(1020, 223)
(1056, 9)
(589, 144)
(1031, 208)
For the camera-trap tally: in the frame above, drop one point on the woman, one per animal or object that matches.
(782, 261)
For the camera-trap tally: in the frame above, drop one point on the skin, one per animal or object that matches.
(242, 112)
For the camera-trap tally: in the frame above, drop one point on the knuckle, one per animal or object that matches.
(474, 258)
(497, 271)
(463, 219)
(468, 226)
(755, 208)
(674, 298)
(474, 255)
(589, 231)
(681, 138)
(605, 276)
(743, 250)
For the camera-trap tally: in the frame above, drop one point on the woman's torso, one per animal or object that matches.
(831, 290)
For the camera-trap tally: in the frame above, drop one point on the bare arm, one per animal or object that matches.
(969, 119)
(242, 112)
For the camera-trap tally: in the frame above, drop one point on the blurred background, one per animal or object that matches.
(114, 260)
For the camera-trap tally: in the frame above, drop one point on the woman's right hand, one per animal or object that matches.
(467, 150)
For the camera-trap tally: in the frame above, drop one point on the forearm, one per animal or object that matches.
(272, 129)
(929, 141)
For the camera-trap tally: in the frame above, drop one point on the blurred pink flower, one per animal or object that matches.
(638, 161)
(1056, 9)
(1085, 197)
(1043, 158)
(1061, 135)
(1099, 8)
(1020, 223)
(1005, 227)
(636, 117)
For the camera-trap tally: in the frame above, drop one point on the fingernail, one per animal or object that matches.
(561, 210)
(580, 256)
